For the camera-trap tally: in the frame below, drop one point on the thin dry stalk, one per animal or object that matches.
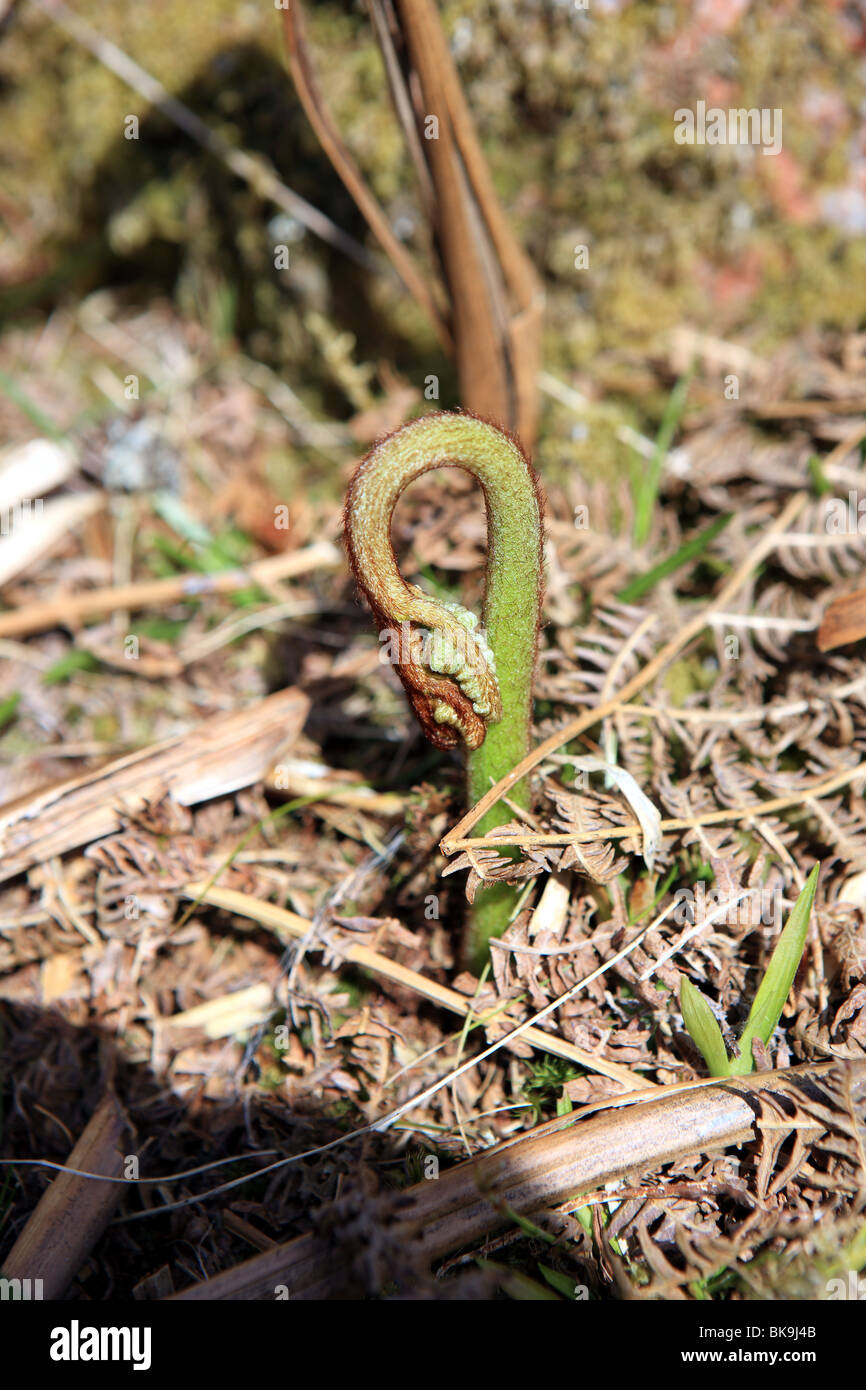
(720, 817)
(494, 293)
(304, 78)
(585, 721)
(288, 926)
(148, 593)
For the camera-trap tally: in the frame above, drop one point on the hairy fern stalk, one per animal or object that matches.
(466, 684)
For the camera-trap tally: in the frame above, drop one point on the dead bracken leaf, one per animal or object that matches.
(844, 621)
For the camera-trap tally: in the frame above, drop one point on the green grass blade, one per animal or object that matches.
(649, 485)
(703, 1029)
(8, 708)
(563, 1283)
(690, 551)
(517, 1285)
(820, 482)
(69, 665)
(773, 990)
(35, 414)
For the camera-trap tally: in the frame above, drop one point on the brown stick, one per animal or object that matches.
(306, 86)
(483, 382)
(844, 621)
(552, 1164)
(791, 410)
(495, 295)
(742, 811)
(73, 1212)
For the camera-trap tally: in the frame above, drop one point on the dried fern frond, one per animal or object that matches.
(578, 815)
(818, 549)
(840, 827)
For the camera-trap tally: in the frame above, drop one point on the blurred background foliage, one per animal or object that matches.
(575, 112)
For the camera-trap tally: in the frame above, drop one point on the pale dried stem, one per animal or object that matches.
(71, 609)
(288, 926)
(619, 832)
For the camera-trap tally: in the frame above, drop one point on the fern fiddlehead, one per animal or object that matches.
(463, 682)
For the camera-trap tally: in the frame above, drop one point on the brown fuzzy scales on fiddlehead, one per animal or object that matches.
(446, 665)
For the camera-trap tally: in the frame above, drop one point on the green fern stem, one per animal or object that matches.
(465, 684)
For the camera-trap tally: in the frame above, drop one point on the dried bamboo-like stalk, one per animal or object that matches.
(288, 926)
(560, 1160)
(494, 293)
